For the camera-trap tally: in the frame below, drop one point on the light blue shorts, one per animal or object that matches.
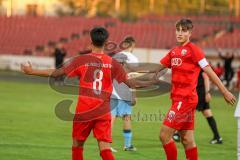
(120, 108)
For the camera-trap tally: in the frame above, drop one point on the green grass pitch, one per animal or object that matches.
(29, 129)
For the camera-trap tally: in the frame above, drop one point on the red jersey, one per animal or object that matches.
(96, 72)
(185, 62)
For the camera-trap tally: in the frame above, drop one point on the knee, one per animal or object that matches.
(188, 142)
(77, 143)
(163, 137)
(207, 113)
(103, 145)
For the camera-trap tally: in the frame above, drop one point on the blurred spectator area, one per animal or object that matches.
(35, 35)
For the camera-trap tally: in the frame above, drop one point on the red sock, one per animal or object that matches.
(77, 153)
(170, 150)
(192, 153)
(106, 154)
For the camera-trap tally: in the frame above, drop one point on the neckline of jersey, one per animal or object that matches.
(181, 46)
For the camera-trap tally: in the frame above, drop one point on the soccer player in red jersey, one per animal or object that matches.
(185, 60)
(96, 72)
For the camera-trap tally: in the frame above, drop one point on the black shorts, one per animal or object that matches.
(202, 104)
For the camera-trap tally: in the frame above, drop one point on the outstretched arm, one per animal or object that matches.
(207, 87)
(153, 77)
(120, 75)
(206, 82)
(229, 97)
(145, 68)
(27, 69)
(137, 83)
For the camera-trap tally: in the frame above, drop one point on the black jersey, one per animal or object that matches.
(200, 80)
(202, 104)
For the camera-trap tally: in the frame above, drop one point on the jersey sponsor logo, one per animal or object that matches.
(183, 52)
(176, 61)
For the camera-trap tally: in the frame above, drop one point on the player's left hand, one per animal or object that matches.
(230, 98)
(27, 69)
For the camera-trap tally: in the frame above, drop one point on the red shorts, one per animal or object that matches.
(181, 116)
(101, 130)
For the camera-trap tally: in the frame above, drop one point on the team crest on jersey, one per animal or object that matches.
(171, 115)
(184, 52)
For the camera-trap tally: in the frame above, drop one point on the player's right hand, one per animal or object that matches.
(230, 98)
(27, 69)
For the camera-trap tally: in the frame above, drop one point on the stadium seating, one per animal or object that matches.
(19, 34)
(229, 40)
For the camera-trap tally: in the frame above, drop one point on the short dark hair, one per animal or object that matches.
(99, 36)
(185, 23)
(129, 39)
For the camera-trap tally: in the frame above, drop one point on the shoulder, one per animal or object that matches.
(121, 57)
(173, 51)
(107, 59)
(194, 47)
(173, 48)
(125, 53)
(106, 56)
(196, 50)
(131, 58)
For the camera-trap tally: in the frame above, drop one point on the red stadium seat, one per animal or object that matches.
(21, 33)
